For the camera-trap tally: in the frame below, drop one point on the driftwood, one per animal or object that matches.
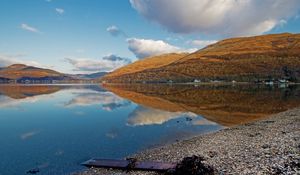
(189, 165)
(130, 164)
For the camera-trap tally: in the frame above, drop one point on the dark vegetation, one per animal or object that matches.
(192, 166)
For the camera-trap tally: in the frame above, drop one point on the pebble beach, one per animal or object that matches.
(269, 146)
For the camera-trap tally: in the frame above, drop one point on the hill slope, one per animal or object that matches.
(147, 63)
(17, 71)
(28, 74)
(258, 58)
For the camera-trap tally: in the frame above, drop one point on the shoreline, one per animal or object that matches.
(267, 146)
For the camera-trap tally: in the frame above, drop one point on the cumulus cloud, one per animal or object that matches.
(202, 43)
(6, 60)
(149, 116)
(282, 22)
(112, 57)
(105, 64)
(226, 17)
(29, 28)
(147, 47)
(115, 31)
(60, 10)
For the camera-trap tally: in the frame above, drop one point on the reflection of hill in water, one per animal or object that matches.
(225, 105)
(23, 91)
(19, 92)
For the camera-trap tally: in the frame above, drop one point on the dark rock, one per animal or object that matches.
(131, 165)
(269, 121)
(265, 146)
(33, 171)
(192, 166)
(254, 135)
(188, 119)
(212, 154)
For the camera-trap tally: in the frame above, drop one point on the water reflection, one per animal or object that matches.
(60, 126)
(23, 91)
(149, 116)
(12, 96)
(223, 104)
(84, 95)
(27, 135)
(107, 100)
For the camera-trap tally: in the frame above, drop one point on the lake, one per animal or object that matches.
(56, 127)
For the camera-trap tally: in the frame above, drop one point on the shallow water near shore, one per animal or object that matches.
(53, 128)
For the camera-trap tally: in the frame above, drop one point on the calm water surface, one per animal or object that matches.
(54, 128)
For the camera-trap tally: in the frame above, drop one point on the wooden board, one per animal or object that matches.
(127, 164)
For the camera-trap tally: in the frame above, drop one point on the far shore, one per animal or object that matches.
(158, 83)
(209, 83)
(269, 146)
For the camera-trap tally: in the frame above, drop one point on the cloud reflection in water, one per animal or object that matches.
(149, 116)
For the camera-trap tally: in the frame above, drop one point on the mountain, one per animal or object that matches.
(17, 71)
(247, 59)
(147, 63)
(21, 73)
(96, 75)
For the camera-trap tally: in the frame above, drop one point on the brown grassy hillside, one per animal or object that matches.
(258, 58)
(19, 70)
(148, 63)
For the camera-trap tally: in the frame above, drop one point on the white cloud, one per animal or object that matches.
(282, 22)
(201, 43)
(6, 60)
(29, 28)
(60, 10)
(147, 47)
(225, 17)
(115, 31)
(98, 65)
(113, 57)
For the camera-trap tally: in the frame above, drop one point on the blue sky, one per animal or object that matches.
(73, 36)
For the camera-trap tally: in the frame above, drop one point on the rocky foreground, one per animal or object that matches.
(270, 146)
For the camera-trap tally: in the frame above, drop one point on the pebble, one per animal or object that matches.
(271, 146)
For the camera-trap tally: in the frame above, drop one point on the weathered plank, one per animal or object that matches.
(130, 164)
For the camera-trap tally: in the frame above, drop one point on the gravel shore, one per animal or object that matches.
(270, 146)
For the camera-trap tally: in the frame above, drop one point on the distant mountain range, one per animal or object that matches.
(20, 73)
(274, 57)
(90, 76)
